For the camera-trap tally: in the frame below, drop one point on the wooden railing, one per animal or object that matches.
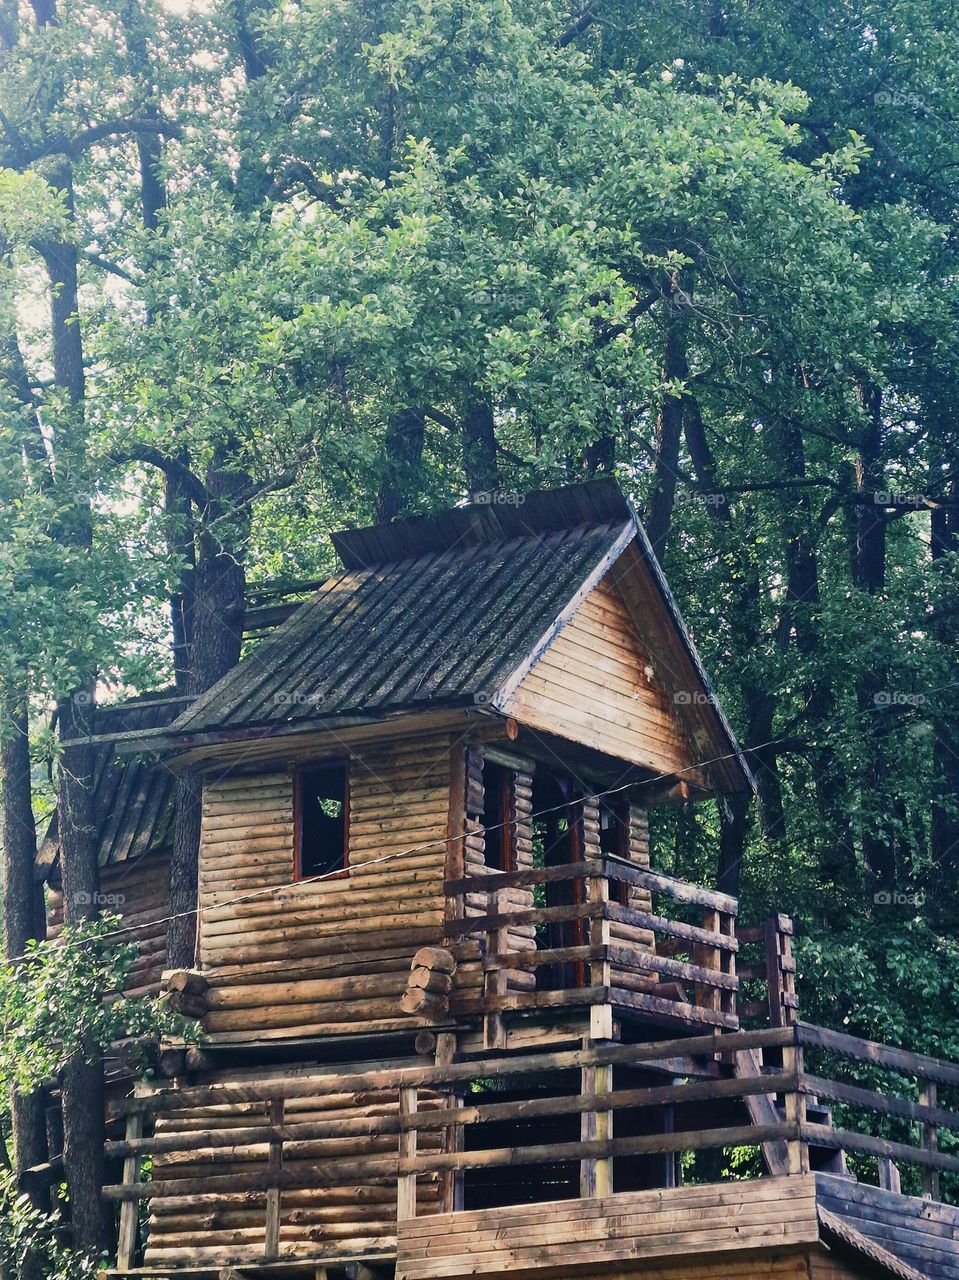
(609, 952)
(767, 970)
(434, 1110)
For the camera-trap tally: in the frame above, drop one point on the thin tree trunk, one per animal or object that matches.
(82, 1092)
(669, 424)
(402, 464)
(944, 815)
(479, 447)
(878, 839)
(23, 917)
(217, 635)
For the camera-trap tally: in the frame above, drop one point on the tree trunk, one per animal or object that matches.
(479, 448)
(23, 916)
(668, 424)
(944, 816)
(217, 634)
(82, 1094)
(402, 464)
(878, 838)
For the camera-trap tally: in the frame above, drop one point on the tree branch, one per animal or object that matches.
(585, 20)
(191, 483)
(79, 142)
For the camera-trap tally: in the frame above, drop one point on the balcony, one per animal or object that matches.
(569, 1158)
(591, 933)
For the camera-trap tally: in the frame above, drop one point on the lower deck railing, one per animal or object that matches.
(560, 1112)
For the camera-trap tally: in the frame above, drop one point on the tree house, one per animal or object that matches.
(453, 1022)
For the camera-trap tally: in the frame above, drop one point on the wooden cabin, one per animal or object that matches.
(453, 1022)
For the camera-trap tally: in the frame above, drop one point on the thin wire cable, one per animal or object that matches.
(441, 843)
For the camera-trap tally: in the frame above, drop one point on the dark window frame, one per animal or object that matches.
(298, 774)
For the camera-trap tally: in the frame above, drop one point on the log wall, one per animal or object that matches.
(139, 891)
(596, 685)
(220, 1227)
(332, 956)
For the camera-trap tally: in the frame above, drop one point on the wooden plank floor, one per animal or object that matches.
(769, 1214)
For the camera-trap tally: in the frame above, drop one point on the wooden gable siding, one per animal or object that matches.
(331, 956)
(139, 892)
(593, 685)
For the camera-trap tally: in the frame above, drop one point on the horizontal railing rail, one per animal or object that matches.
(435, 1106)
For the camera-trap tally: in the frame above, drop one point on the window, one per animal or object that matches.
(322, 820)
(498, 817)
(557, 842)
(614, 839)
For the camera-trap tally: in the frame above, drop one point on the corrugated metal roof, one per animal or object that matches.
(444, 625)
(133, 799)
(840, 1230)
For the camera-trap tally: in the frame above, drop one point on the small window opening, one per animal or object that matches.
(322, 811)
(498, 817)
(614, 839)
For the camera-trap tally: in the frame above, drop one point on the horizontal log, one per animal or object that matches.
(821, 1135)
(679, 890)
(497, 1157)
(839, 1091)
(882, 1055)
(445, 1117)
(165, 1101)
(672, 928)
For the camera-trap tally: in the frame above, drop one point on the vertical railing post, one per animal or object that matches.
(451, 1180)
(727, 964)
(601, 1014)
(928, 1095)
(709, 957)
(495, 981)
(271, 1245)
(596, 1173)
(798, 1151)
(130, 1209)
(406, 1182)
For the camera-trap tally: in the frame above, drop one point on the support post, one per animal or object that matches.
(596, 1175)
(930, 1140)
(406, 1182)
(798, 1151)
(451, 1180)
(271, 1247)
(130, 1209)
(600, 1015)
(495, 982)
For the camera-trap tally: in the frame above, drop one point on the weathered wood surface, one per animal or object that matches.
(770, 1214)
(923, 1233)
(261, 1195)
(274, 952)
(595, 685)
(139, 891)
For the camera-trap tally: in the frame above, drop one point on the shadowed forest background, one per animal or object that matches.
(269, 270)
